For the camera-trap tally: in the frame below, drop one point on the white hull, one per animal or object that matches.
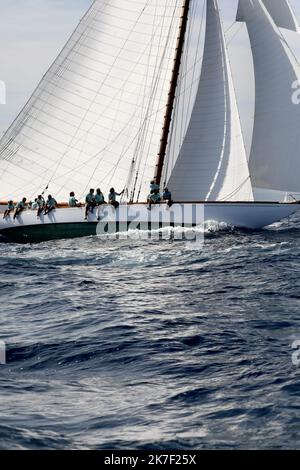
(241, 215)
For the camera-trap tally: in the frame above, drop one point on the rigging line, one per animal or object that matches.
(156, 85)
(285, 41)
(120, 91)
(183, 83)
(105, 148)
(234, 35)
(230, 27)
(176, 123)
(235, 93)
(194, 68)
(227, 97)
(292, 53)
(143, 136)
(173, 147)
(155, 89)
(291, 195)
(191, 69)
(149, 148)
(226, 92)
(19, 123)
(146, 118)
(157, 57)
(93, 124)
(287, 44)
(77, 41)
(139, 145)
(161, 156)
(83, 140)
(136, 63)
(115, 120)
(170, 153)
(34, 98)
(122, 156)
(24, 182)
(194, 80)
(228, 196)
(102, 83)
(178, 91)
(174, 127)
(200, 58)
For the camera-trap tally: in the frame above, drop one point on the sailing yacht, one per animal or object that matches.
(116, 109)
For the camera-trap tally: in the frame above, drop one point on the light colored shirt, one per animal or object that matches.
(10, 207)
(99, 198)
(51, 202)
(34, 205)
(90, 198)
(21, 205)
(73, 202)
(154, 187)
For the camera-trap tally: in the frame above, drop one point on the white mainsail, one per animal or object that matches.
(96, 117)
(275, 153)
(212, 164)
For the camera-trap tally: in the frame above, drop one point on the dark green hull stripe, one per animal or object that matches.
(46, 232)
(40, 233)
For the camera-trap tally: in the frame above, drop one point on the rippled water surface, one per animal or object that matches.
(152, 344)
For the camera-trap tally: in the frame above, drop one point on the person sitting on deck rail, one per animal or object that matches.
(153, 187)
(73, 202)
(20, 207)
(112, 197)
(153, 198)
(99, 198)
(90, 203)
(10, 207)
(40, 204)
(167, 196)
(50, 204)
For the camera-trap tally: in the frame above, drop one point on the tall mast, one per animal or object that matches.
(172, 92)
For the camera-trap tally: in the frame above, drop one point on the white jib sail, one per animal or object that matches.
(274, 159)
(212, 164)
(96, 117)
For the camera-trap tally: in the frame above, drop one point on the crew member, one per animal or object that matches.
(112, 197)
(89, 202)
(20, 207)
(9, 209)
(153, 187)
(153, 198)
(73, 202)
(50, 204)
(167, 196)
(40, 204)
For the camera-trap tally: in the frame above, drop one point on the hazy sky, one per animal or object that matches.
(32, 32)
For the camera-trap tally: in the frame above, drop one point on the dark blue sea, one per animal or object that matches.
(152, 344)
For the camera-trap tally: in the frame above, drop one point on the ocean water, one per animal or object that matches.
(152, 344)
